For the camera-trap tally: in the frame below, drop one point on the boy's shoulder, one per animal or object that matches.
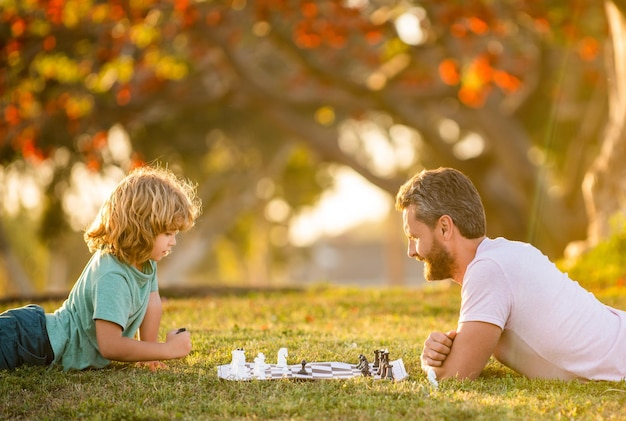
(106, 262)
(106, 265)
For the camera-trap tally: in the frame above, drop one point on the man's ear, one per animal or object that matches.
(444, 226)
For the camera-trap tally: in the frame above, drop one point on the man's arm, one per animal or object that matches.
(149, 329)
(463, 354)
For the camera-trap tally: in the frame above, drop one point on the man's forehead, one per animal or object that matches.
(410, 212)
(409, 218)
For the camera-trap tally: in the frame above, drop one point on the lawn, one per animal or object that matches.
(318, 324)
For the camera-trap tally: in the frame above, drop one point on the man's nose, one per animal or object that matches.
(412, 249)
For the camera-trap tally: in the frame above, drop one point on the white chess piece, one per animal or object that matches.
(282, 360)
(259, 366)
(241, 361)
(282, 357)
(234, 365)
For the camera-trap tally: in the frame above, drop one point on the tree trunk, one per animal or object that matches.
(604, 186)
(18, 280)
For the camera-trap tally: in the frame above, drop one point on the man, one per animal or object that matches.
(516, 305)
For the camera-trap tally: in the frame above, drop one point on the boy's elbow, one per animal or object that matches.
(109, 340)
(106, 350)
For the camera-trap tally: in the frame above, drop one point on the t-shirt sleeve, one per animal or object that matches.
(485, 295)
(112, 298)
(154, 283)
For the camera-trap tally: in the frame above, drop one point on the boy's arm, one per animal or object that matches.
(462, 356)
(113, 346)
(149, 329)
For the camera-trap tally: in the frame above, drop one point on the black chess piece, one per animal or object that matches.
(381, 362)
(388, 371)
(366, 369)
(364, 365)
(362, 360)
(303, 369)
(376, 358)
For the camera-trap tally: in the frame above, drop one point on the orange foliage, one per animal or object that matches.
(181, 5)
(116, 12)
(213, 18)
(99, 140)
(458, 30)
(54, 11)
(478, 26)
(18, 27)
(449, 72)
(305, 36)
(136, 160)
(12, 115)
(308, 9)
(588, 48)
(93, 164)
(481, 69)
(13, 46)
(123, 95)
(373, 36)
(49, 43)
(506, 81)
(28, 148)
(474, 97)
(542, 25)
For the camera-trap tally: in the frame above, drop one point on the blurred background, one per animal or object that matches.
(299, 120)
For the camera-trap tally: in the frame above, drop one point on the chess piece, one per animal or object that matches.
(282, 357)
(384, 358)
(363, 363)
(303, 369)
(237, 366)
(376, 358)
(282, 361)
(364, 366)
(388, 371)
(259, 366)
(241, 371)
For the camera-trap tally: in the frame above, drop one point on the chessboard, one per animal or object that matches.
(314, 370)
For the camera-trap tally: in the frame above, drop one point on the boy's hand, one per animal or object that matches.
(179, 342)
(437, 347)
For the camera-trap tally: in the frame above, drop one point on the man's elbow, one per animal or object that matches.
(444, 373)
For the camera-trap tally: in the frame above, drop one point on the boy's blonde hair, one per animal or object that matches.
(147, 202)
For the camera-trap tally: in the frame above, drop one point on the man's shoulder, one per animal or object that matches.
(501, 245)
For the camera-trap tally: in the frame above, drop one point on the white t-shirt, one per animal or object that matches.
(552, 327)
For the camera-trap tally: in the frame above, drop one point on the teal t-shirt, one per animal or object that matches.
(108, 290)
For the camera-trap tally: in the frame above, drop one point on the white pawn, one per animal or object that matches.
(234, 365)
(242, 372)
(259, 366)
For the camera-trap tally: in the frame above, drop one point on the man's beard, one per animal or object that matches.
(439, 264)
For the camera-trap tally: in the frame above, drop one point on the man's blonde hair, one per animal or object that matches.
(444, 191)
(147, 202)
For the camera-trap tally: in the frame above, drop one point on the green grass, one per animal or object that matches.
(320, 324)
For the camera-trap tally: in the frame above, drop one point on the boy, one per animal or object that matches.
(117, 293)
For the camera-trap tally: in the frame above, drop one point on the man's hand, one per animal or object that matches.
(461, 353)
(437, 347)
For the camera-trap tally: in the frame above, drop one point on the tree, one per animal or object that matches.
(603, 186)
(239, 93)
